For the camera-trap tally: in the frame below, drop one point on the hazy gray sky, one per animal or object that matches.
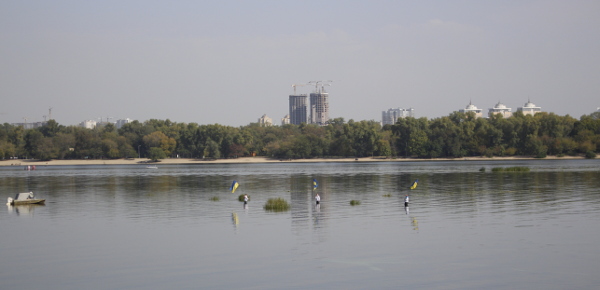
(230, 62)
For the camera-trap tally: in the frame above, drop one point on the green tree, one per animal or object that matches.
(212, 149)
(64, 143)
(535, 147)
(160, 140)
(33, 140)
(417, 144)
(364, 135)
(109, 128)
(384, 148)
(110, 149)
(51, 128)
(156, 153)
(447, 135)
(125, 149)
(7, 150)
(87, 144)
(412, 136)
(45, 149)
(301, 147)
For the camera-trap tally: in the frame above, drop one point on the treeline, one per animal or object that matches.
(455, 135)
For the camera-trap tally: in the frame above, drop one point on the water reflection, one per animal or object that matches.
(235, 220)
(23, 210)
(414, 223)
(170, 232)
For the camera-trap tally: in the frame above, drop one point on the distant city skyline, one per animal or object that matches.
(386, 117)
(212, 62)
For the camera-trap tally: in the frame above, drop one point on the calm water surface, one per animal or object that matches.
(128, 227)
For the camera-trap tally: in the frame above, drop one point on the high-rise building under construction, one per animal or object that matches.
(298, 109)
(319, 105)
(319, 108)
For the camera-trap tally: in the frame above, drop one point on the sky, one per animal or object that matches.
(230, 62)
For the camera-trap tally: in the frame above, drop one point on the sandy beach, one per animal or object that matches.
(145, 161)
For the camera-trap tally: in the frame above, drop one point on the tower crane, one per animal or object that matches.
(297, 85)
(319, 85)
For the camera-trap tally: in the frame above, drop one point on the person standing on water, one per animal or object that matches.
(406, 200)
(318, 199)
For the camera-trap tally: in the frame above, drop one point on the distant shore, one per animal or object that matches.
(241, 160)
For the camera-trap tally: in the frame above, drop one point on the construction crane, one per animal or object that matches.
(297, 85)
(320, 85)
(107, 119)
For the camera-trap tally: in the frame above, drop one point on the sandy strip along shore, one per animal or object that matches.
(144, 161)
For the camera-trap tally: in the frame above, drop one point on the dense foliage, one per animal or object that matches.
(276, 205)
(456, 135)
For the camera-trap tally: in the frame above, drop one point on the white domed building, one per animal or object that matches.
(529, 109)
(500, 108)
(472, 108)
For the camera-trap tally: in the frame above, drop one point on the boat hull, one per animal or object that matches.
(28, 201)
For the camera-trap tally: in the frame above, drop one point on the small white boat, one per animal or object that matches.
(25, 198)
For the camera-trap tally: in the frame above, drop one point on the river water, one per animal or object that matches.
(129, 227)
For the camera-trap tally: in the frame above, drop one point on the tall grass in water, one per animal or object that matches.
(510, 169)
(354, 202)
(277, 204)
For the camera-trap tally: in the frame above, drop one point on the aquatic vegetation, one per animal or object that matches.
(354, 202)
(277, 204)
(214, 198)
(511, 169)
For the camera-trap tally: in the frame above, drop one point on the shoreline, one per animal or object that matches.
(256, 160)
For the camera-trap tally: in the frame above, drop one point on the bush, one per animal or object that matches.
(277, 205)
(354, 202)
(156, 153)
(541, 153)
(511, 151)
